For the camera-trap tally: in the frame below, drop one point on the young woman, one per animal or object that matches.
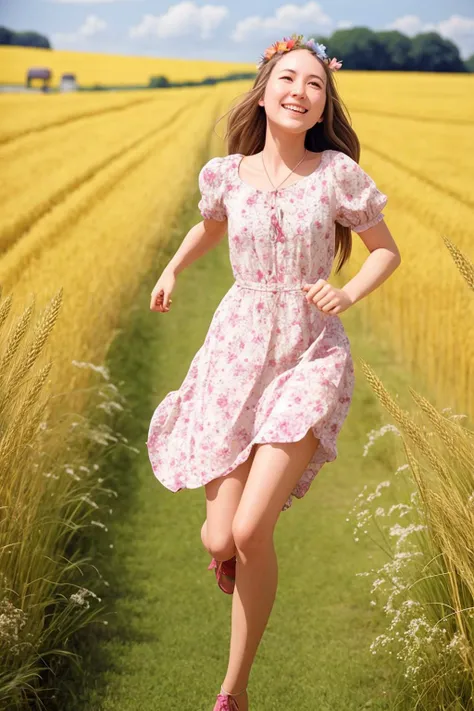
(265, 397)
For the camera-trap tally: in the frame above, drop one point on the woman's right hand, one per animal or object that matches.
(160, 296)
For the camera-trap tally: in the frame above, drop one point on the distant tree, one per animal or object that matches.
(31, 39)
(398, 47)
(362, 48)
(432, 53)
(469, 62)
(6, 35)
(23, 39)
(359, 48)
(158, 82)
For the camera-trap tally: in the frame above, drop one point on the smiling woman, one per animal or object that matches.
(261, 407)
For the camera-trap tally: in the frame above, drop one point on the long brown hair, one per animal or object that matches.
(246, 129)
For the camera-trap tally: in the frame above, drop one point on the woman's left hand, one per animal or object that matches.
(327, 298)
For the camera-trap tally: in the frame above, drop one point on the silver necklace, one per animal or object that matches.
(266, 171)
(278, 224)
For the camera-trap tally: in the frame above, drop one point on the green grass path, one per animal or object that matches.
(165, 647)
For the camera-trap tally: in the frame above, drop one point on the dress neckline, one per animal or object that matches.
(277, 190)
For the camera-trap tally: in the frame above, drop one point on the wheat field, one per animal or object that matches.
(86, 203)
(93, 68)
(91, 181)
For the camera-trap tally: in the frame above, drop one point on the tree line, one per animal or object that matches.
(391, 50)
(359, 47)
(23, 39)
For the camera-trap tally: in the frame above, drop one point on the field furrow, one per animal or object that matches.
(91, 204)
(425, 151)
(445, 98)
(422, 118)
(87, 148)
(16, 122)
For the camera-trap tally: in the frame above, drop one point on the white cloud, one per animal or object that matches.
(183, 19)
(286, 19)
(461, 31)
(91, 26)
(408, 24)
(457, 28)
(344, 24)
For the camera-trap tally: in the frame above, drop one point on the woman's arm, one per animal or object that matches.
(383, 259)
(199, 240)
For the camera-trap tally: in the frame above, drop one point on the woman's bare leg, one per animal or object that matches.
(274, 473)
(222, 499)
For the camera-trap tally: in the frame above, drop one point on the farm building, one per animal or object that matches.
(68, 82)
(39, 73)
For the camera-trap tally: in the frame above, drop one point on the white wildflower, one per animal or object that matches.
(79, 597)
(375, 434)
(100, 524)
(402, 468)
(71, 472)
(110, 406)
(89, 501)
(12, 621)
(97, 368)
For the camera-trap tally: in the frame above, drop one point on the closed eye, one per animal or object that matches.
(311, 82)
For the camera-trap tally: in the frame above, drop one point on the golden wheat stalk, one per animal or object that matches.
(40, 336)
(16, 426)
(5, 307)
(449, 431)
(464, 265)
(407, 425)
(16, 337)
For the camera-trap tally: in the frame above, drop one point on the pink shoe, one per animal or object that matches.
(227, 568)
(226, 702)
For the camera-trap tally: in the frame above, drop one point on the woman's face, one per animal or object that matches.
(297, 78)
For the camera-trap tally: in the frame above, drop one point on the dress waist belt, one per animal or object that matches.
(266, 287)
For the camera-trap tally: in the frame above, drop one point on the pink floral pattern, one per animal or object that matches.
(271, 365)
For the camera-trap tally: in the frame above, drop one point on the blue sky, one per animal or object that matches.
(224, 30)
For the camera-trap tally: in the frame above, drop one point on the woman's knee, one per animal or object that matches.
(220, 545)
(250, 535)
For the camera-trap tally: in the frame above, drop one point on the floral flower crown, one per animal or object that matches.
(299, 42)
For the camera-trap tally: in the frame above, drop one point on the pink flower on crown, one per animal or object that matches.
(334, 64)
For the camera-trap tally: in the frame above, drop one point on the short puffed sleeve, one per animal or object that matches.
(211, 185)
(359, 203)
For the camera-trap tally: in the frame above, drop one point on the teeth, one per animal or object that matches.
(294, 108)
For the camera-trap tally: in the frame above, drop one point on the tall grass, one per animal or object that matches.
(48, 484)
(428, 583)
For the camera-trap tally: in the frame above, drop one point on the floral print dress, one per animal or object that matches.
(271, 365)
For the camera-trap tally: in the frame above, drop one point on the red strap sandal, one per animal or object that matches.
(225, 573)
(226, 702)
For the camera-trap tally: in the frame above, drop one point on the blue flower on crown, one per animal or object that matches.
(317, 47)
